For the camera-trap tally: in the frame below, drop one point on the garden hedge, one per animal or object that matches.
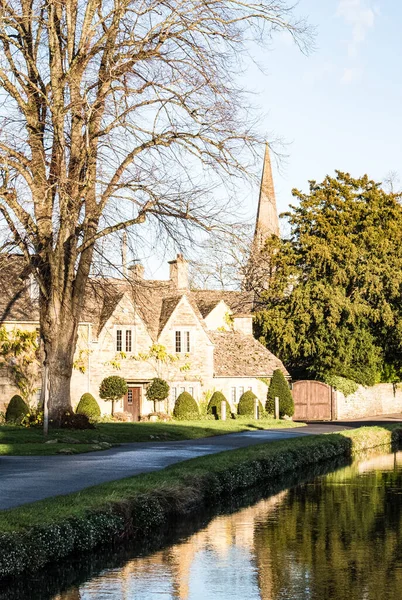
(182, 491)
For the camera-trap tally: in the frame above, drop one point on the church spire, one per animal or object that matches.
(267, 223)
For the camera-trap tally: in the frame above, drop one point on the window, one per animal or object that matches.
(250, 389)
(182, 342)
(119, 340)
(233, 395)
(128, 340)
(191, 391)
(241, 391)
(124, 340)
(174, 393)
(129, 396)
(182, 389)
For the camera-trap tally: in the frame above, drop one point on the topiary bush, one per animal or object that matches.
(246, 404)
(279, 388)
(88, 406)
(186, 407)
(214, 405)
(17, 409)
(157, 391)
(113, 388)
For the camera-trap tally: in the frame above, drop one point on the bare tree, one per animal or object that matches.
(111, 109)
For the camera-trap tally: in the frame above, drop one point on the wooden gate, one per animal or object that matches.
(132, 402)
(313, 401)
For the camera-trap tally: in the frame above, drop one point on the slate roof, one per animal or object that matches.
(240, 355)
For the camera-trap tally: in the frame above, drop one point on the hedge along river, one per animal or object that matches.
(336, 536)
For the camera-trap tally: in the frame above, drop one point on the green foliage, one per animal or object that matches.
(16, 410)
(346, 386)
(19, 354)
(214, 405)
(333, 304)
(186, 407)
(88, 406)
(113, 388)
(33, 419)
(279, 388)
(246, 404)
(157, 391)
(70, 420)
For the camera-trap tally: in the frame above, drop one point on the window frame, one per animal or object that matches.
(182, 341)
(122, 338)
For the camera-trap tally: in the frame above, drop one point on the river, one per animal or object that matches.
(336, 536)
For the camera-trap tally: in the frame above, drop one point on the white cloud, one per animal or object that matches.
(361, 18)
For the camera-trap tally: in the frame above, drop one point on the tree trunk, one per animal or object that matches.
(59, 331)
(112, 408)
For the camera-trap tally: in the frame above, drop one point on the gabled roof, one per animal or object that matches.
(240, 355)
(238, 302)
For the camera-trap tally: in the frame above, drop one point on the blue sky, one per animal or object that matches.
(340, 107)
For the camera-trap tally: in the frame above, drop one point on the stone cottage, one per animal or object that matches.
(206, 335)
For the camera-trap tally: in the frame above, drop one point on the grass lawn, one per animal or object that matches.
(21, 441)
(183, 482)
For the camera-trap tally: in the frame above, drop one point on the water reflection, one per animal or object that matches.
(337, 537)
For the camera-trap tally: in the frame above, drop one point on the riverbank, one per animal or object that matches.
(35, 534)
(21, 441)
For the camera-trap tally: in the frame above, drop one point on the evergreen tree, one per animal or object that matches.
(333, 304)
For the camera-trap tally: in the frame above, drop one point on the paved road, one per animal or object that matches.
(25, 479)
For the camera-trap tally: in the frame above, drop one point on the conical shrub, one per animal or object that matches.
(214, 405)
(16, 410)
(279, 388)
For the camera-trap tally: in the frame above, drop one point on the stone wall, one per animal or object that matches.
(381, 399)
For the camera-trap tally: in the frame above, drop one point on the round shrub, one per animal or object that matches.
(113, 388)
(214, 405)
(186, 407)
(279, 388)
(157, 391)
(88, 406)
(246, 404)
(16, 410)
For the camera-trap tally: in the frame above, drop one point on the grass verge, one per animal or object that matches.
(35, 534)
(21, 441)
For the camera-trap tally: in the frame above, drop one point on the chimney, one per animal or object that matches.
(179, 272)
(136, 271)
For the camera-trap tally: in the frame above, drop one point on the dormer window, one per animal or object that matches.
(124, 339)
(182, 342)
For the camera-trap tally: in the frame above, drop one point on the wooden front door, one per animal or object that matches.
(132, 401)
(313, 401)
